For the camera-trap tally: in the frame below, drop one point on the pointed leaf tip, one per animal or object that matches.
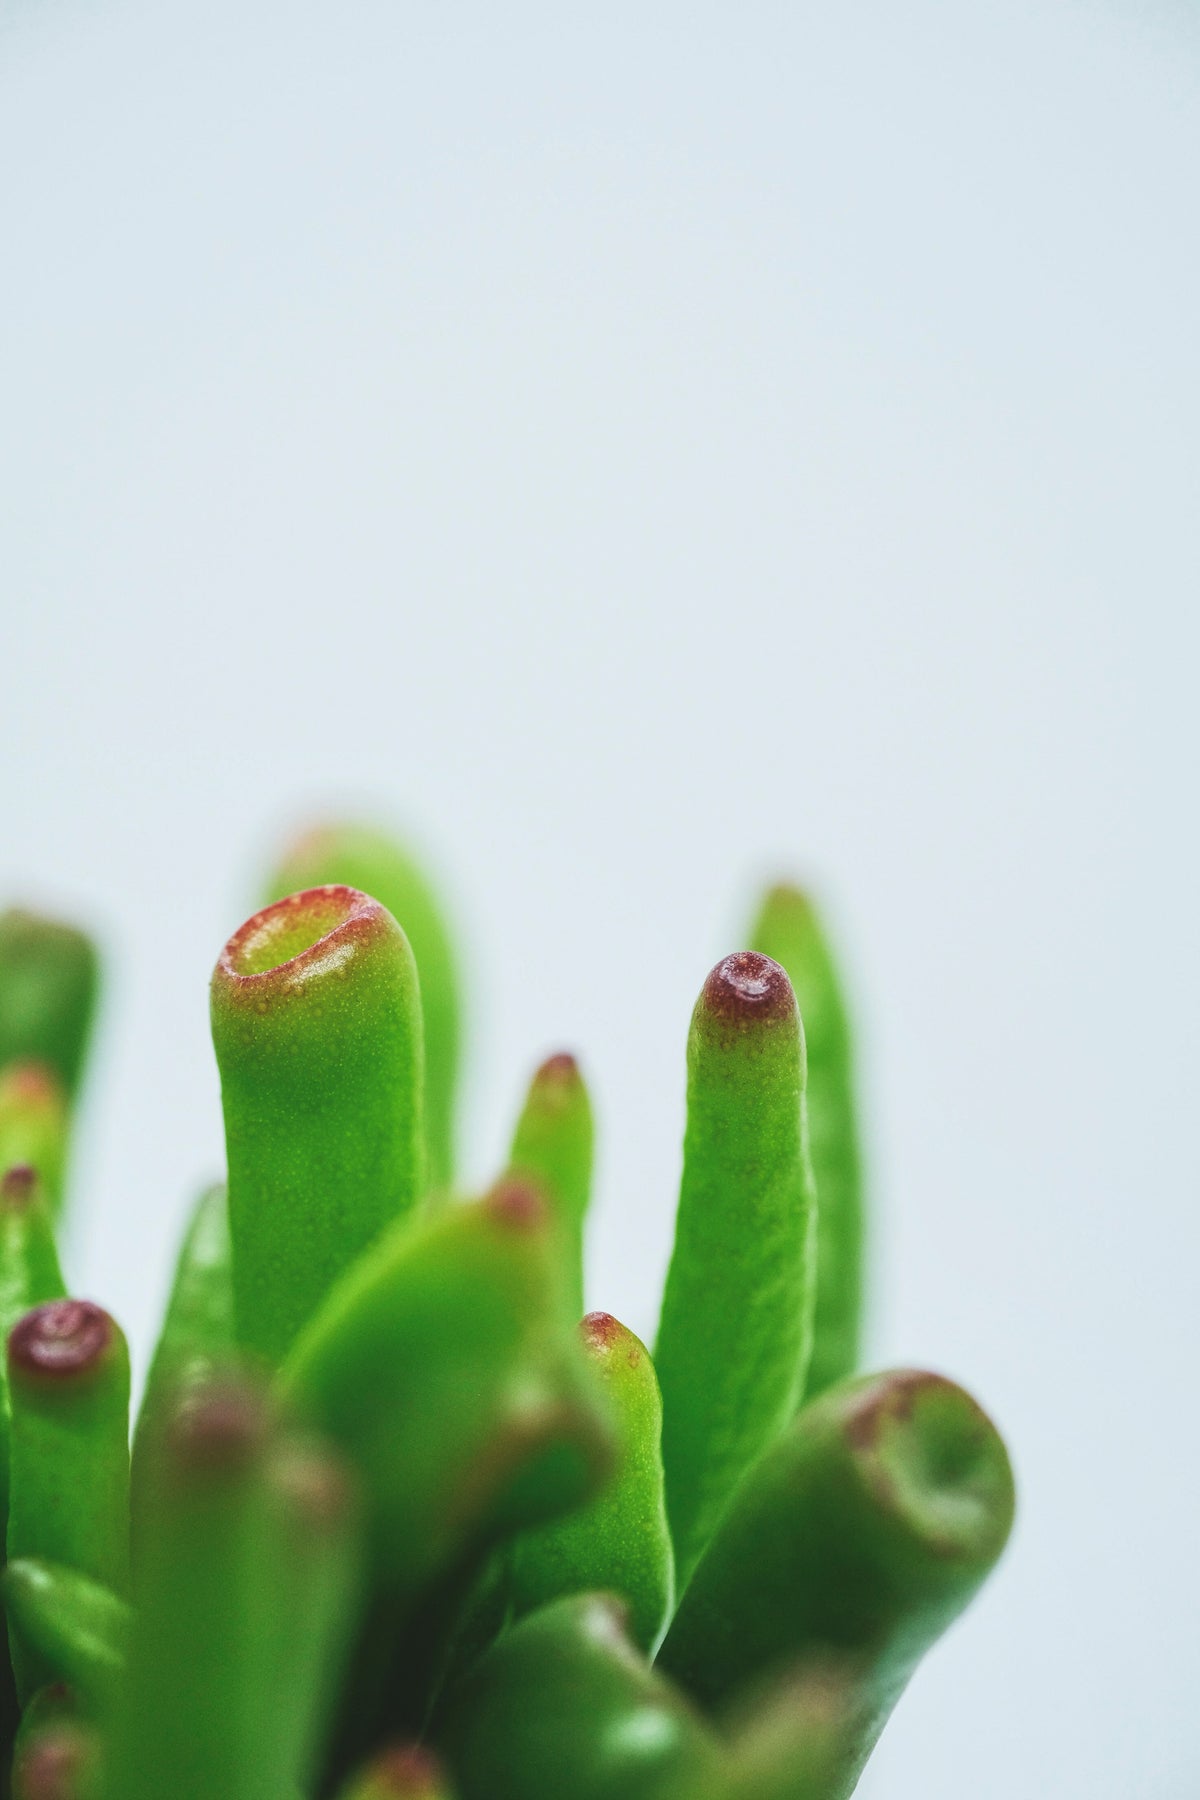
(935, 1461)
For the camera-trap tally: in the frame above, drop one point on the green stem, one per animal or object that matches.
(553, 1144)
(864, 1531)
(619, 1542)
(360, 857)
(736, 1327)
(317, 1027)
(789, 929)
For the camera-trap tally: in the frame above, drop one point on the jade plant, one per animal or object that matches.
(397, 1522)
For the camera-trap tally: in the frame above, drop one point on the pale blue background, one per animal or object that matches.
(642, 448)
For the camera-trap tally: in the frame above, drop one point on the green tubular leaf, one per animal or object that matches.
(197, 1341)
(202, 1671)
(49, 974)
(402, 1659)
(553, 1144)
(864, 1531)
(197, 1337)
(564, 1706)
(481, 1610)
(316, 1022)
(68, 1383)
(405, 1773)
(455, 1325)
(34, 1124)
(789, 929)
(736, 1327)
(619, 1542)
(29, 1267)
(68, 1386)
(70, 1628)
(359, 856)
(29, 1275)
(315, 1544)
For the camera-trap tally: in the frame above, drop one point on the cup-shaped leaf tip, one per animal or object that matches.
(316, 1019)
(934, 1462)
(295, 941)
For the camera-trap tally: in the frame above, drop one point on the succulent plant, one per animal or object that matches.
(397, 1523)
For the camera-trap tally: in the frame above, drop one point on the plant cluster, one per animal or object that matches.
(396, 1525)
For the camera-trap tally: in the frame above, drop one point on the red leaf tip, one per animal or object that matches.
(747, 988)
(290, 930)
(605, 1337)
(559, 1070)
(31, 1083)
(517, 1203)
(61, 1339)
(220, 1427)
(18, 1184)
(317, 1488)
(407, 1773)
(933, 1460)
(53, 1767)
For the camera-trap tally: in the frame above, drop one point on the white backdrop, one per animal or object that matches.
(640, 449)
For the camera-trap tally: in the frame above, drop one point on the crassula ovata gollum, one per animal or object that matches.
(399, 1523)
